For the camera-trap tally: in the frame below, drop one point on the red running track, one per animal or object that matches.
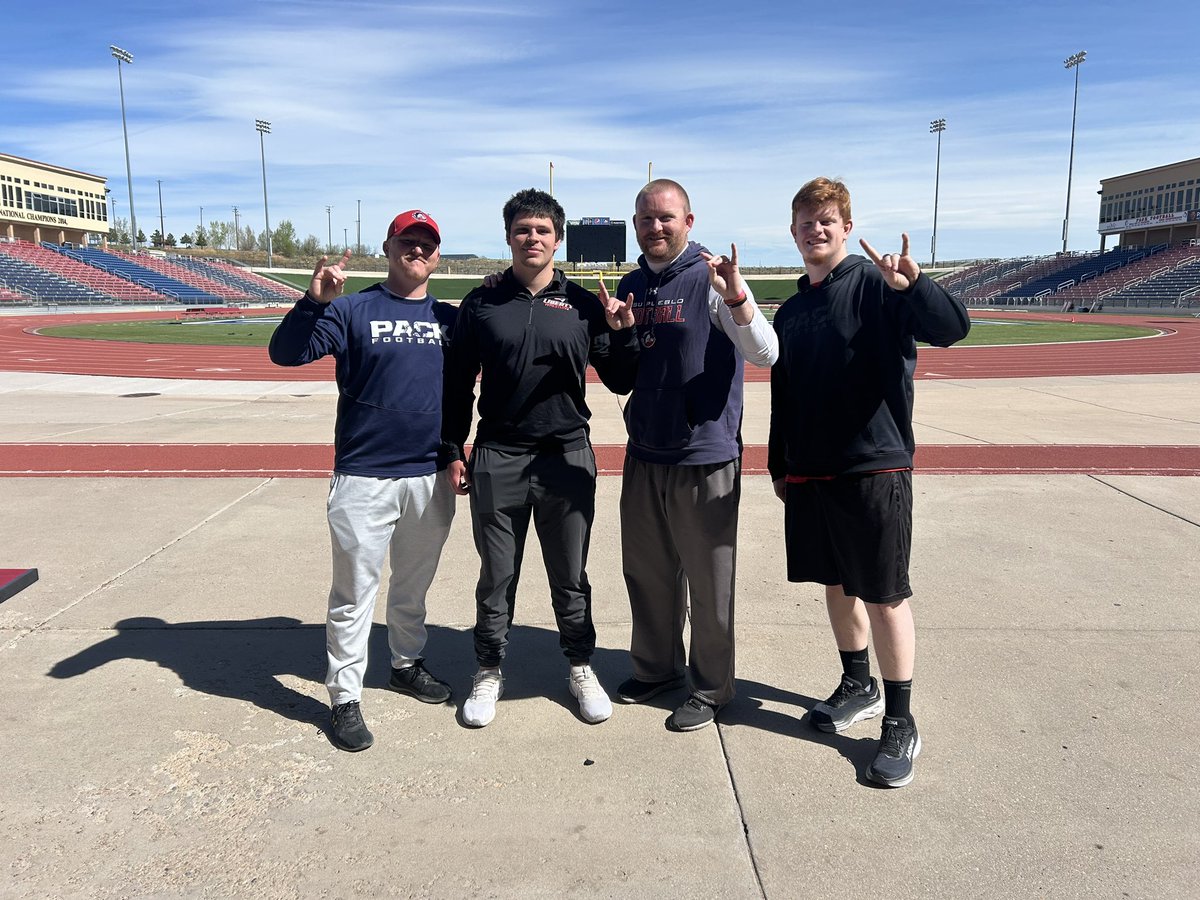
(316, 460)
(1175, 350)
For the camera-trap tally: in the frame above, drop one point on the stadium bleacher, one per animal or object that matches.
(168, 268)
(117, 288)
(1042, 286)
(14, 297)
(249, 284)
(49, 273)
(137, 273)
(1011, 274)
(1175, 286)
(22, 277)
(1089, 292)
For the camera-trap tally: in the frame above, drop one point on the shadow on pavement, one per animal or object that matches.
(245, 659)
(857, 747)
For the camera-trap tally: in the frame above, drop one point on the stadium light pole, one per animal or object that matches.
(358, 231)
(649, 172)
(112, 215)
(937, 126)
(264, 127)
(237, 230)
(551, 179)
(124, 56)
(162, 228)
(1074, 61)
(329, 228)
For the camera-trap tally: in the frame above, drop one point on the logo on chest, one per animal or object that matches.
(660, 312)
(556, 303)
(400, 331)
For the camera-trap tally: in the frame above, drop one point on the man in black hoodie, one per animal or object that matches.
(841, 450)
(532, 334)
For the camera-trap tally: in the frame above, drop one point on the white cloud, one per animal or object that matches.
(453, 108)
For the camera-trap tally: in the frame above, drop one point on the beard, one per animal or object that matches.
(665, 250)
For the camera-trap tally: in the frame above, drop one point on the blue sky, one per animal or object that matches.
(454, 106)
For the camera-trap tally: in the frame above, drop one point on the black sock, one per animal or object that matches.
(896, 695)
(857, 664)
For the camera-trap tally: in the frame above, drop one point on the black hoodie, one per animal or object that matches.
(842, 390)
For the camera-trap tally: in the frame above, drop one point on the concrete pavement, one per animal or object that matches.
(163, 735)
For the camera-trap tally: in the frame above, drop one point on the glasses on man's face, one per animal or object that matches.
(408, 244)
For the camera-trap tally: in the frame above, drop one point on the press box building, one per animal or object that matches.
(1153, 206)
(44, 202)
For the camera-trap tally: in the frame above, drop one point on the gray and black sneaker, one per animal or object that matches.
(347, 729)
(634, 690)
(416, 681)
(899, 746)
(849, 704)
(693, 715)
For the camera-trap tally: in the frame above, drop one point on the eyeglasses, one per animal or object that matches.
(406, 244)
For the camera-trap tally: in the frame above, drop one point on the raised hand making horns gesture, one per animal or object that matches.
(619, 313)
(328, 281)
(899, 270)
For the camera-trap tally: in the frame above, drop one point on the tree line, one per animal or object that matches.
(225, 236)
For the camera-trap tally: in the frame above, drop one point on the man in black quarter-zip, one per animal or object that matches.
(530, 338)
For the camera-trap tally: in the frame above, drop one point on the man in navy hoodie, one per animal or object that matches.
(385, 495)
(841, 455)
(681, 485)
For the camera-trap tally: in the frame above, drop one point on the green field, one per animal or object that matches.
(765, 289)
(249, 333)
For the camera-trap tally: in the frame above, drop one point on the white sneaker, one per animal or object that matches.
(480, 707)
(594, 704)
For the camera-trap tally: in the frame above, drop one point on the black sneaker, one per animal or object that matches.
(693, 715)
(898, 747)
(347, 729)
(416, 681)
(634, 690)
(850, 703)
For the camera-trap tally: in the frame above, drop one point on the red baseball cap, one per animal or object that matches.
(411, 218)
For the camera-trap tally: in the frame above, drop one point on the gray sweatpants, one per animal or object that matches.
(679, 541)
(558, 491)
(368, 517)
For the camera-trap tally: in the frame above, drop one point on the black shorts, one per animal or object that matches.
(854, 530)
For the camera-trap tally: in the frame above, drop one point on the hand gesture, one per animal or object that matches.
(328, 281)
(723, 273)
(619, 315)
(899, 271)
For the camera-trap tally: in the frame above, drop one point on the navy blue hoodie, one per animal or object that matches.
(686, 406)
(389, 374)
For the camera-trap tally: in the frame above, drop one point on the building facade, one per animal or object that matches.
(43, 202)
(1153, 206)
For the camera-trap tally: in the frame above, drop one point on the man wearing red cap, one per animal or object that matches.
(385, 495)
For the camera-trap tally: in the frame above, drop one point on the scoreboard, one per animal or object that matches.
(596, 239)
